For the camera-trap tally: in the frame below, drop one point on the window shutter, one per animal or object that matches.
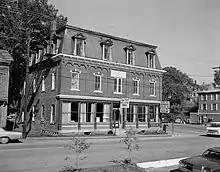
(211, 106)
(133, 53)
(216, 106)
(206, 107)
(211, 96)
(206, 97)
(216, 96)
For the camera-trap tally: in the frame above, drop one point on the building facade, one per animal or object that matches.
(5, 60)
(94, 81)
(208, 107)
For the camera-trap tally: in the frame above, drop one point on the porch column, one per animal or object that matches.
(79, 116)
(147, 115)
(83, 112)
(157, 113)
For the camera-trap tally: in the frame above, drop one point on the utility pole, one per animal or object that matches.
(28, 32)
(26, 87)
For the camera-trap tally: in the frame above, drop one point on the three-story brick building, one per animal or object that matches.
(88, 77)
(208, 106)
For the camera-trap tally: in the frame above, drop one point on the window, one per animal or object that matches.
(211, 96)
(79, 45)
(43, 84)
(42, 112)
(34, 86)
(32, 113)
(130, 57)
(52, 114)
(106, 52)
(106, 49)
(136, 86)
(75, 80)
(152, 113)
(216, 96)
(53, 80)
(151, 60)
(131, 113)
(152, 88)
(202, 97)
(141, 113)
(118, 85)
(204, 106)
(98, 82)
(55, 46)
(214, 107)
(74, 112)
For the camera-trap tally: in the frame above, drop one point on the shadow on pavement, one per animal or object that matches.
(175, 170)
(15, 141)
(205, 135)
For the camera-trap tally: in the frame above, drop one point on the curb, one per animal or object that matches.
(161, 163)
(97, 137)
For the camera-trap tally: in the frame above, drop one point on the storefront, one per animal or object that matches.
(89, 115)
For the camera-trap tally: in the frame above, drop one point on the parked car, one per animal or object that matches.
(6, 136)
(209, 161)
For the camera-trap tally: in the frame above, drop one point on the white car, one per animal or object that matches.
(6, 136)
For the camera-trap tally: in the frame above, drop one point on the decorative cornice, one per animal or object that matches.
(110, 63)
(130, 47)
(79, 36)
(107, 42)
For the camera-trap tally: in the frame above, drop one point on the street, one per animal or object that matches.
(49, 155)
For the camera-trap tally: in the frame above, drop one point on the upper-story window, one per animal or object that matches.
(52, 114)
(151, 59)
(79, 44)
(214, 107)
(211, 96)
(152, 88)
(106, 50)
(136, 86)
(130, 58)
(53, 81)
(43, 84)
(98, 81)
(204, 97)
(118, 85)
(55, 46)
(74, 79)
(216, 96)
(34, 85)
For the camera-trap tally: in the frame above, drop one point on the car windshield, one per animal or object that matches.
(212, 154)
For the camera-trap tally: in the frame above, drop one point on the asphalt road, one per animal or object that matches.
(50, 155)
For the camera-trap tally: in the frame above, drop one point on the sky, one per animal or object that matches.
(187, 32)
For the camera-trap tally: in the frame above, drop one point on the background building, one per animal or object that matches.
(208, 107)
(5, 60)
(81, 80)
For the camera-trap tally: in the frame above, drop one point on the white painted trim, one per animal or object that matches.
(110, 62)
(62, 96)
(161, 163)
(209, 113)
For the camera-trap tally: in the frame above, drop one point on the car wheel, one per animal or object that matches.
(4, 140)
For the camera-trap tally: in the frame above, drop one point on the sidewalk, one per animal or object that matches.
(99, 137)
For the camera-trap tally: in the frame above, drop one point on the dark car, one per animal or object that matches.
(209, 161)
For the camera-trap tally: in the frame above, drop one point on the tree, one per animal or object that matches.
(18, 18)
(177, 88)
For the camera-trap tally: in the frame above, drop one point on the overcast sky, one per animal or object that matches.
(187, 32)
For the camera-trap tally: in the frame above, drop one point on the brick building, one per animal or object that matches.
(5, 60)
(81, 80)
(208, 106)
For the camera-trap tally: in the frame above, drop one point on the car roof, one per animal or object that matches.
(215, 148)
